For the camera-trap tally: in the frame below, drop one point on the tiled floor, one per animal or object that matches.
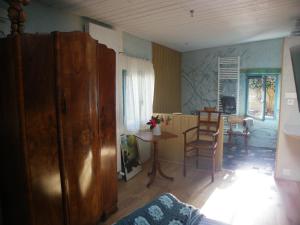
(261, 149)
(236, 157)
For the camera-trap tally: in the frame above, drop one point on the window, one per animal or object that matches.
(138, 91)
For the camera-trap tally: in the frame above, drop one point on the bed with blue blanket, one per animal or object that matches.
(167, 210)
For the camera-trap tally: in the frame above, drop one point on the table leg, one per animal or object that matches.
(162, 173)
(156, 166)
(152, 173)
(152, 176)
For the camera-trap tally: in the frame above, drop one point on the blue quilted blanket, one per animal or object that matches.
(165, 210)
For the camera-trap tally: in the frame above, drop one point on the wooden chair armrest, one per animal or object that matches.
(215, 134)
(211, 133)
(214, 145)
(190, 129)
(215, 139)
(207, 131)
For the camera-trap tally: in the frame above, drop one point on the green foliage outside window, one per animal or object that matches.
(258, 83)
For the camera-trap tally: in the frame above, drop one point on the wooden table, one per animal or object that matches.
(149, 137)
(238, 120)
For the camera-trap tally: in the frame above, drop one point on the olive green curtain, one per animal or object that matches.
(167, 88)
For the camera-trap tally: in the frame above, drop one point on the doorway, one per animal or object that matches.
(259, 100)
(262, 95)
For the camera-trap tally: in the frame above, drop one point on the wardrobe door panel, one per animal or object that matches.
(14, 191)
(78, 88)
(107, 77)
(41, 129)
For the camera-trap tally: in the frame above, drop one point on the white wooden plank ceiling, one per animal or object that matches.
(169, 22)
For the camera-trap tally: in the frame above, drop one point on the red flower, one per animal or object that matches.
(153, 121)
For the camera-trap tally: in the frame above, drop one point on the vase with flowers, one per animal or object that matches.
(154, 123)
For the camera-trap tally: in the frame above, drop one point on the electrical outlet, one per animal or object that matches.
(291, 101)
(286, 172)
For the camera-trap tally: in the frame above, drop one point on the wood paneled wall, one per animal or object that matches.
(167, 68)
(172, 149)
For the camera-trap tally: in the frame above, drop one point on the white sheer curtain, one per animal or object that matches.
(138, 92)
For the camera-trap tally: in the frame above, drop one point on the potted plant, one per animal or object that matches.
(154, 123)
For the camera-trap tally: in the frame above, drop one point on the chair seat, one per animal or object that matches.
(238, 132)
(205, 144)
(203, 148)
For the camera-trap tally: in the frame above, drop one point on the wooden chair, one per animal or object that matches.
(203, 138)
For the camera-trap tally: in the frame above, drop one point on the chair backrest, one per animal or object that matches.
(228, 104)
(209, 118)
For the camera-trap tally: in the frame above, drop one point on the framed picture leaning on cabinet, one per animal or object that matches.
(130, 157)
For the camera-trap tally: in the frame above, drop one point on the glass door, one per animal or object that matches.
(270, 88)
(256, 97)
(261, 96)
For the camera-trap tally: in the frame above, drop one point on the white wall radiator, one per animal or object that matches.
(229, 80)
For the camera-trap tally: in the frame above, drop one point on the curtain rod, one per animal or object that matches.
(143, 58)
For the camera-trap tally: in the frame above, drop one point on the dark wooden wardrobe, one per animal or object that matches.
(58, 129)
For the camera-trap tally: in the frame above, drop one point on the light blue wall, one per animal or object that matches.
(137, 47)
(4, 23)
(44, 19)
(200, 70)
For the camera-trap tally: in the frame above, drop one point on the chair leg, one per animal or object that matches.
(230, 138)
(184, 164)
(213, 170)
(246, 143)
(197, 160)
